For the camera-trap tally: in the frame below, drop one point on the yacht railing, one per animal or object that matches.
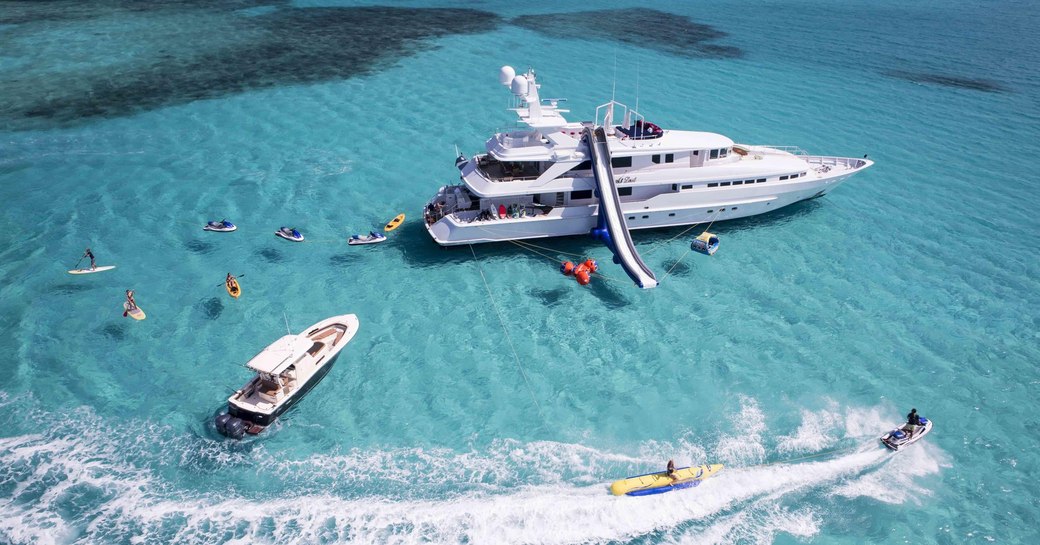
(847, 162)
(794, 150)
(511, 138)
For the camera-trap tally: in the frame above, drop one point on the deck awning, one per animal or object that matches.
(280, 354)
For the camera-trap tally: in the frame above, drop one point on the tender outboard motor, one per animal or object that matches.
(221, 423)
(236, 428)
(231, 426)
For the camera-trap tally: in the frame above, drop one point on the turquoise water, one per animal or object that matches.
(784, 356)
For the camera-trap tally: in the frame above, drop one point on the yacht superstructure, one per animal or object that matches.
(544, 181)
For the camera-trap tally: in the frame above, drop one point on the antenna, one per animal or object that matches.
(289, 331)
(637, 86)
(613, 85)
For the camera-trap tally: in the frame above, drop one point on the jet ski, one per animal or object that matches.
(900, 437)
(289, 233)
(222, 226)
(371, 238)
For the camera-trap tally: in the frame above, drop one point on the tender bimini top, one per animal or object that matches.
(280, 354)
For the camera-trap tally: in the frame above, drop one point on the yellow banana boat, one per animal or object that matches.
(660, 482)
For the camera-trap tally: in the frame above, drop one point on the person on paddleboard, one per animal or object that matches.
(671, 471)
(88, 253)
(130, 300)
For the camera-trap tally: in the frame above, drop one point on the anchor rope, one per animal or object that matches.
(505, 330)
(688, 250)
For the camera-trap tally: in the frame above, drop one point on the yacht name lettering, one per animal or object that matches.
(626, 179)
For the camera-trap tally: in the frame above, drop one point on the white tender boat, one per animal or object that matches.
(285, 371)
(613, 175)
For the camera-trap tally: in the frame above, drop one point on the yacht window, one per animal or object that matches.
(713, 184)
(624, 191)
(675, 187)
(671, 215)
(723, 184)
(714, 154)
(761, 180)
(584, 194)
(669, 158)
(723, 152)
(656, 159)
(746, 182)
(688, 186)
(696, 152)
(621, 162)
(738, 182)
(710, 211)
(644, 217)
(783, 177)
(631, 217)
(803, 174)
(584, 165)
(734, 208)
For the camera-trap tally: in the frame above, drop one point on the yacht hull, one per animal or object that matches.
(664, 211)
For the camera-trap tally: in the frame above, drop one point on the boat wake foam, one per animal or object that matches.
(101, 483)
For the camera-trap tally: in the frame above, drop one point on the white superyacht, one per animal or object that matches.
(547, 180)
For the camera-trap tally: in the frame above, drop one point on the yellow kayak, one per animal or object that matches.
(394, 223)
(658, 483)
(233, 288)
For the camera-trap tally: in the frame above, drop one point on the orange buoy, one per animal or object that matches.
(582, 276)
(567, 268)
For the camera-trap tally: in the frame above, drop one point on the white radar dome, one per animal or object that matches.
(519, 86)
(506, 75)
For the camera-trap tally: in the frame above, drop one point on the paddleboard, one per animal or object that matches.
(88, 270)
(660, 482)
(501, 211)
(235, 289)
(394, 223)
(136, 314)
